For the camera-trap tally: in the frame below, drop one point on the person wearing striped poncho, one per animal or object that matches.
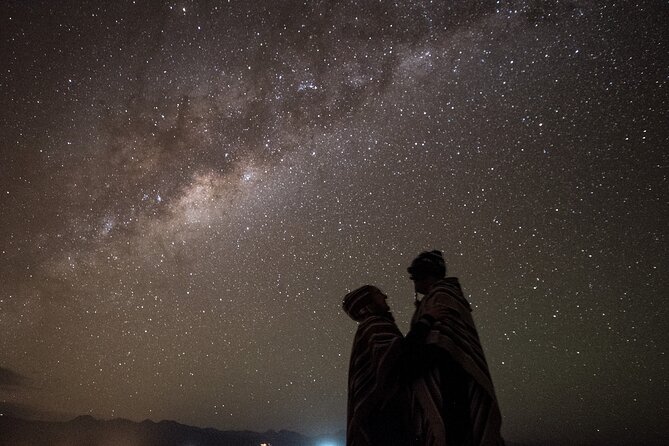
(378, 394)
(377, 412)
(453, 401)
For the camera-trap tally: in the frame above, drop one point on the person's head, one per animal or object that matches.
(366, 300)
(426, 269)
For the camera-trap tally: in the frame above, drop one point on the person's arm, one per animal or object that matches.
(418, 357)
(420, 329)
(422, 326)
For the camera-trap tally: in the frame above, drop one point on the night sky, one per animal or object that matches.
(189, 188)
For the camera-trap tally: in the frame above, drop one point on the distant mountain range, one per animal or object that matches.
(88, 431)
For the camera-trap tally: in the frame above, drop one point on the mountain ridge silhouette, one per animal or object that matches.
(89, 431)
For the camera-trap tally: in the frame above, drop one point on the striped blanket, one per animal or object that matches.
(462, 378)
(377, 405)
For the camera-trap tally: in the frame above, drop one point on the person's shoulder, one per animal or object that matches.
(375, 325)
(448, 286)
(451, 281)
(379, 319)
(449, 289)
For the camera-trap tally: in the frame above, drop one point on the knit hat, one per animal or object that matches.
(356, 302)
(428, 263)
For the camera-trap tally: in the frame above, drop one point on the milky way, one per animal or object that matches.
(188, 189)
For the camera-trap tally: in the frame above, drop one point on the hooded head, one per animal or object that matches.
(426, 269)
(366, 300)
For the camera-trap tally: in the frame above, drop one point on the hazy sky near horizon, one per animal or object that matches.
(189, 188)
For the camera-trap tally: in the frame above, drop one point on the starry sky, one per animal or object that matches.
(188, 189)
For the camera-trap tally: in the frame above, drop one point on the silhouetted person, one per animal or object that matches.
(377, 412)
(452, 396)
(378, 393)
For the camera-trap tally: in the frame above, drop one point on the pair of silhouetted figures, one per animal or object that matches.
(430, 387)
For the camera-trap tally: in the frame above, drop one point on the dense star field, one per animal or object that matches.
(189, 188)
